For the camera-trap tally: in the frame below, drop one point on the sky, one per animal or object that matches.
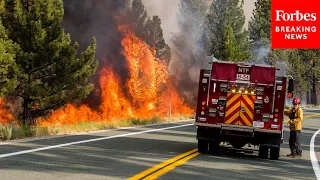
(171, 7)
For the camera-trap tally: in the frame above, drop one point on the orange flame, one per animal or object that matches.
(5, 116)
(150, 94)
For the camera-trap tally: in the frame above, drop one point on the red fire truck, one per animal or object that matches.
(241, 104)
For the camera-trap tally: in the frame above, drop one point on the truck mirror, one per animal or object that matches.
(290, 86)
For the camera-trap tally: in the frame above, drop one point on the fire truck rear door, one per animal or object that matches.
(247, 110)
(233, 108)
(239, 109)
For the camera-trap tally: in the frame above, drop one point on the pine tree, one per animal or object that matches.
(227, 15)
(8, 67)
(260, 35)
(311, 64)
(149, 30)
(229, 48)
(137, 17)
(260, 23)
(298, 69)
(155, 39)
(50, 75)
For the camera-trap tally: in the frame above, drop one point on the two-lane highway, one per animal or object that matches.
(166, 151)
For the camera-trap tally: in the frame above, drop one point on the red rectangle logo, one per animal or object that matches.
(295, 24)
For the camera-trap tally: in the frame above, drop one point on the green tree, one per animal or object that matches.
(8, 67)
(154, 38)
(298, 69)
(224, 17)
(260, 35)
(51, 75)
(229, 49)
(260, 23)
(311, 64)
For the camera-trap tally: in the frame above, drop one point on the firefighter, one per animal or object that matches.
(295, 124)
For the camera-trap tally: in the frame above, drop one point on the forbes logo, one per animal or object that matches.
(281, 15)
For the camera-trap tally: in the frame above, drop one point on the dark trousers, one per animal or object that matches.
(294, 142)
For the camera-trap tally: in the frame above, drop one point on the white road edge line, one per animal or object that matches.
(89, 140)
(313, 157)
(31, 139)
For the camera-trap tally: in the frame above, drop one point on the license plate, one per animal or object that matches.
(258, 124)
(245, 77)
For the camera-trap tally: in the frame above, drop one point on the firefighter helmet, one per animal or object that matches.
(296, 101)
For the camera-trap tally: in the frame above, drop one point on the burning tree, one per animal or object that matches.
(148, 29)
(132, 80)
(49, 74)
(149, 93)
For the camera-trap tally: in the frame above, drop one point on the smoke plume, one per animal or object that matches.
(185, 64)
(85, 19)
(261, 53)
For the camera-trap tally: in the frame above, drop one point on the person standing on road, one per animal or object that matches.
(295, 124)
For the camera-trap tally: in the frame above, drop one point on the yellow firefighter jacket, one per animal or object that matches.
(298, 117)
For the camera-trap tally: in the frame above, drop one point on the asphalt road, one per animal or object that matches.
(119, 155)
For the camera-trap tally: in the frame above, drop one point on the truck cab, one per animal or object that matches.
(241, 103)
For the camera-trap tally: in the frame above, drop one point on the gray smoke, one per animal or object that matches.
(85, 19)
(261, 53)
(185, 65)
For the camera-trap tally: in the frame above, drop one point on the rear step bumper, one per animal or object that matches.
(230, 127)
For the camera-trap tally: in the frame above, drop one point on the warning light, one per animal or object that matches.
(233, 90)
(203, 108)
(276, 115)
(289, 95)
(246, 91)
(252, 92)
(277, 110)
(240, 91)
(203, 103)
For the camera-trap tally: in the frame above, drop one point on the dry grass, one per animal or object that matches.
(11, 132)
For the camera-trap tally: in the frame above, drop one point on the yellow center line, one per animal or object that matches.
(161, 165)
(162, 168)
(171, 167)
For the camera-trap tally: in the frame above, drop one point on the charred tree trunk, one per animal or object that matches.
(26, 111)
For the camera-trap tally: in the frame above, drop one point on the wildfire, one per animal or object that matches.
(5, 116)
(149, 92)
